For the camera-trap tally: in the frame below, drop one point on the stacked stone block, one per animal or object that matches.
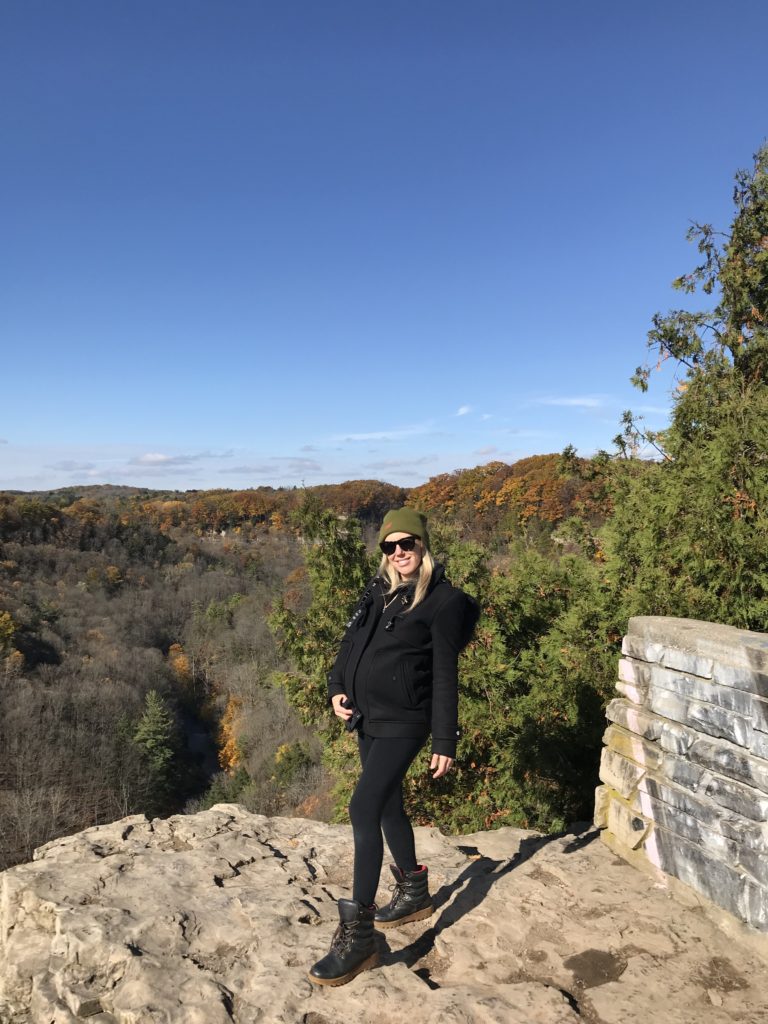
(685, 762)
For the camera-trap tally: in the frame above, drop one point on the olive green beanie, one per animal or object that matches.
(405, 520)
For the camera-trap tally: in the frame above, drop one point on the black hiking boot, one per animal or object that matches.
(352, 948)
(410, 898)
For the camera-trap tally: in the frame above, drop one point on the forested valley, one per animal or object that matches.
(164, 651)
(135, 658)
(138, 670)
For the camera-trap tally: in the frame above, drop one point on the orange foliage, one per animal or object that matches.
(531, 487)
(180, 664)
(7, 632)
(85, 511)
(230, 754)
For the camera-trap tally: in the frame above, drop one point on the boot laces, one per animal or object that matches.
(398, 890)
(343, 937)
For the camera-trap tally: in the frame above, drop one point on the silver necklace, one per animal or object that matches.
(402, 593)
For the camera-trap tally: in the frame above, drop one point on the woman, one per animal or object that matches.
(395, 680)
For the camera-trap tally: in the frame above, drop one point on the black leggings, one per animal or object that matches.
(377, 804)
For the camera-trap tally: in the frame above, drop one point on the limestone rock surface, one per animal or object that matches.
(214, 918)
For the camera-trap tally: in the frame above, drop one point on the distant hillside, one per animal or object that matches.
(43, 515)
(498, 493)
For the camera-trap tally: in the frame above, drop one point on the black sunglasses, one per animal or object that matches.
(405, 544)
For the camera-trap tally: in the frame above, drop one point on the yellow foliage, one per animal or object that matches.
(180, 664)
(7, 632)
(85, 511)
(230, 754)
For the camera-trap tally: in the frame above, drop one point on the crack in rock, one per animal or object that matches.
(272, 849)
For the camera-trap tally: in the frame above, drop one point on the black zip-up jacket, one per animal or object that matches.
(399, 665)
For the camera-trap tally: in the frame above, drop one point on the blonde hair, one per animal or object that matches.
(423, 580)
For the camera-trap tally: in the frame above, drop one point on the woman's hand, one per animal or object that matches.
(441, 763)
(343, 713)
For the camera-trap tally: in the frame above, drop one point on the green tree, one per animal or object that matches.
(531, 702)
(338, 569)
(532, 687)
(690, 536)
(156, 738)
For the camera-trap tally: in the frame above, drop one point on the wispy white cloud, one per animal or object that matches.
(160, 459)
(463, 410)
(399, 464)
(488, 450)
(486, 416)
(308, 448)
(386, 435)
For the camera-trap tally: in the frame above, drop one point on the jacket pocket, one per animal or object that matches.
(406, 678)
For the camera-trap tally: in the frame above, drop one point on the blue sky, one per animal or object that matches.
(270, 242)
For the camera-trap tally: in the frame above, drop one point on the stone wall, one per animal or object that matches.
(685, 762)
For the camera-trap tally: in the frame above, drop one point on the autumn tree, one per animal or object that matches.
(230, 754)
(7, 633)
(501, 500)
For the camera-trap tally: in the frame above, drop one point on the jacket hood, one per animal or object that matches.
(438, 574)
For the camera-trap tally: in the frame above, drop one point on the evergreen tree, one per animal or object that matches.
(690, 536)
(531, 703)
(337, 570)
(155, 736)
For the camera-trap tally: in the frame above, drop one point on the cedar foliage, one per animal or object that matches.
(337, 569)
(690, 537)
(531, 709)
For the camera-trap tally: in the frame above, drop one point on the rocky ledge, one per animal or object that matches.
(214, 918)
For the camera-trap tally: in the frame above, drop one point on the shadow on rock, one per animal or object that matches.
(472, 885)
